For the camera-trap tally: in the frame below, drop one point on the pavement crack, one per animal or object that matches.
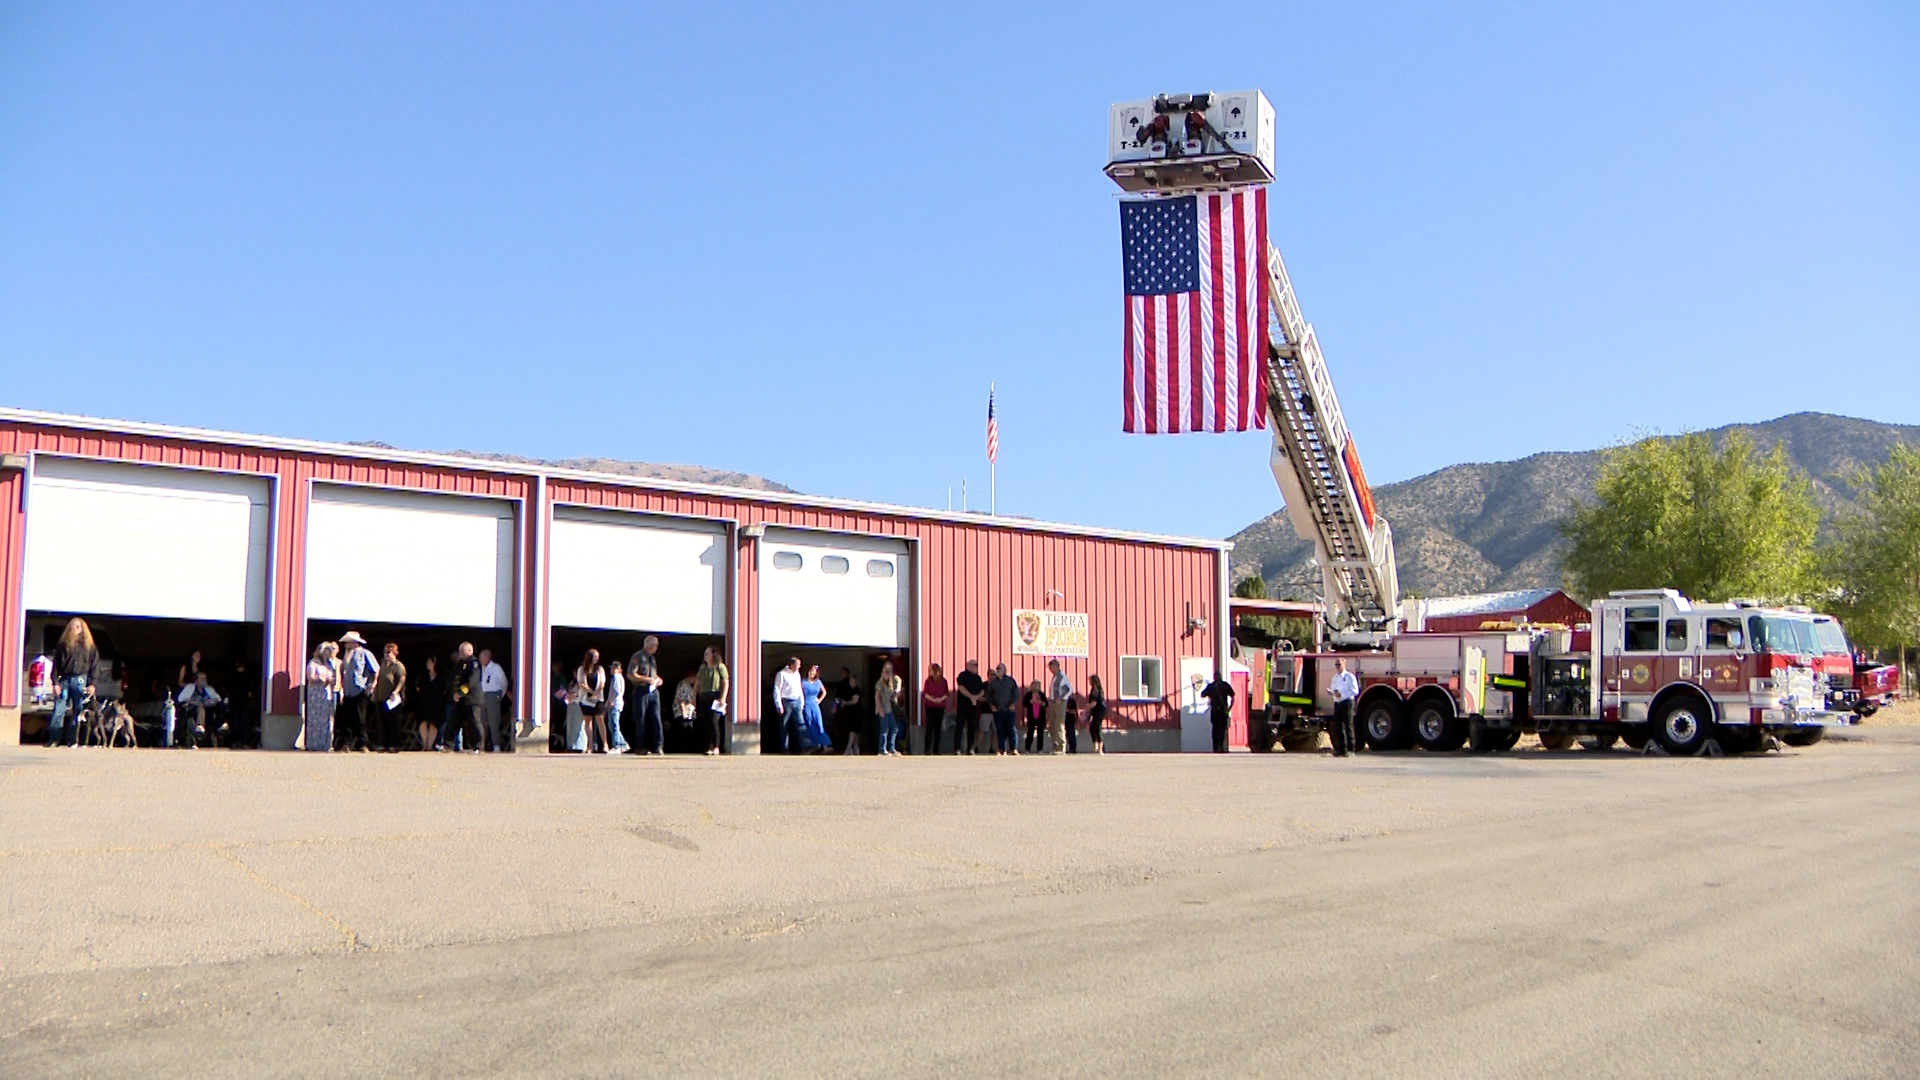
(349, 938)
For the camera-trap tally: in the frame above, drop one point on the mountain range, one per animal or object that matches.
(1489, 527)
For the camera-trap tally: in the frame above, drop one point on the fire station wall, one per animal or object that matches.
(970, 577)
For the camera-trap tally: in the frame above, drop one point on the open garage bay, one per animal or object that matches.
(1524, 914)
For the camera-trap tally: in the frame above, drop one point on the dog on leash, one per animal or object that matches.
(111, 723)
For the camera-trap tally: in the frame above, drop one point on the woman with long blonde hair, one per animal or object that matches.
(322, 694)
(73, 664)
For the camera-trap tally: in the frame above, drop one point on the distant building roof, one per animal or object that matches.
(1441, 607)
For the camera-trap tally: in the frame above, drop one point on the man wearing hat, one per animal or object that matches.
(358, 670)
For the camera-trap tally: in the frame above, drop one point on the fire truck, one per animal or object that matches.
(1853, 686)
(1653, 668)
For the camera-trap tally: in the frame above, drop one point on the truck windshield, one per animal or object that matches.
(1778, 634)
(1831, 639)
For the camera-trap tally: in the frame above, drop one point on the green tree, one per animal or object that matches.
(1875, 560)
(1677, 512)
(1262, 629)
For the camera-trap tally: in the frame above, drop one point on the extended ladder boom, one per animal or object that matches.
(1318, 470)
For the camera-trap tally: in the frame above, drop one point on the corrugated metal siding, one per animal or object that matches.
(1135, 593)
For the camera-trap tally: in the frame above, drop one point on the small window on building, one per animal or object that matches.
(1140, 678)
(879, 567)
(1643, 629)
(1723, 633)
(1676, 635)
(786, 560)
(834, 564)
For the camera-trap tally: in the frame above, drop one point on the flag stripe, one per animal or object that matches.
(1130, 390)
(1263, 299)
(1152, 368)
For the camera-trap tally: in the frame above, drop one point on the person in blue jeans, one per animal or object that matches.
(73, 663)
(616, 704)
(887, 707)
(786, 708)
(643, 671)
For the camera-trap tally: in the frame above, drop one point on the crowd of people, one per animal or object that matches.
(353, 700)
(812, 716)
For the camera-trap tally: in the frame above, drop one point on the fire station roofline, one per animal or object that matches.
(523, 469)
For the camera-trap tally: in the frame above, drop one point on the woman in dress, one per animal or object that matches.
(813, 727)
(323, 693)
(1096, 711)
(429, 696)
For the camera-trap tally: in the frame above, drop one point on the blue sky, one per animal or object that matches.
(801, 242)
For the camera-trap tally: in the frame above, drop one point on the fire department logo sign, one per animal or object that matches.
(1640, 673)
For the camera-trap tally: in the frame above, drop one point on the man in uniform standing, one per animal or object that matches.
(1219, 695)
(1345, 688)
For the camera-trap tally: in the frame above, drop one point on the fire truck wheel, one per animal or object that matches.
(1507, 741)
(1557, 742)
(1605, 742)
(1300, 742)
(1384, 726)
(1636, 737)
(1681, 725)
(1486, 739)
(1435, 727)
(1804, 738)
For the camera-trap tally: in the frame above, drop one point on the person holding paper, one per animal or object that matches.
(710, 701)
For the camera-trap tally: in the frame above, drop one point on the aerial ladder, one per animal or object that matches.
(1187, 143)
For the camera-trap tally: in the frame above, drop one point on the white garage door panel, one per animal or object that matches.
(815, 607)
(377, 556)
(145, 540)
(630, 572)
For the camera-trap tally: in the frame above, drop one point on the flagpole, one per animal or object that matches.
(993, 469)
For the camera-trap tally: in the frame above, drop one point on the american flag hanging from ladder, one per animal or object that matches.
(1196, 321)
(993, 432)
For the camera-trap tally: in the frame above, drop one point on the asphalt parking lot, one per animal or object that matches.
(1408, 915)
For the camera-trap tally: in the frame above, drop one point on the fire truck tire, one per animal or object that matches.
(1605, 742)
(1506, 742)
(1557, 742)
(1435, 727)
(1636, 736)
(1682, 724)
(1300, 742)
(1384, 725)
(1804, 738)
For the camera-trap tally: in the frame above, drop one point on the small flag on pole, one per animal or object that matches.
(993, 432)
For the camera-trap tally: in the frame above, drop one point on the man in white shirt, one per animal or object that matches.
(786, 707)
(1345, 688)
(493, 690)
(198, 697)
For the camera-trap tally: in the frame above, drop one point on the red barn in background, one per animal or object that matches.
(1455, 613)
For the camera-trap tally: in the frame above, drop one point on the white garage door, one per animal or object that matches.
(401, 557)
(834, 589)
(618, 571)
(116, 539)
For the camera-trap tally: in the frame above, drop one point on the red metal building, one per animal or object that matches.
(1448, 614)
(169, 537)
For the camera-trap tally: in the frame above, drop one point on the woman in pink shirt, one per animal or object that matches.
(933, 706)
